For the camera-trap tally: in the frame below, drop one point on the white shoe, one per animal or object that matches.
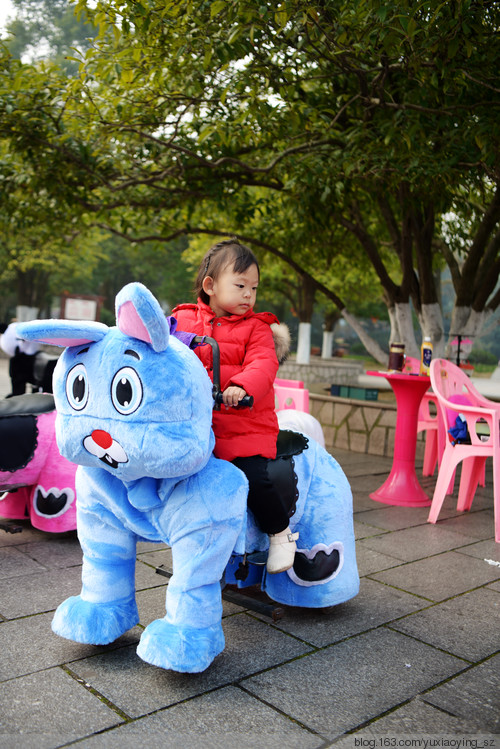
(282, 548)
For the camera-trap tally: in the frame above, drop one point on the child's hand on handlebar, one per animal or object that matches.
(233, 395)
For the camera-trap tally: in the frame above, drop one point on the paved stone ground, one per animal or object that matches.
(414, 658)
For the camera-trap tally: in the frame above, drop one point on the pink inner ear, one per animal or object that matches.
(131, 324)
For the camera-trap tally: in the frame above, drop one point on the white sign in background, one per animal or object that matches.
(80, 309)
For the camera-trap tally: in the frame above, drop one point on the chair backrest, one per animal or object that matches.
(454, 389)
(459, 399)
(291, 397)
(289, 383)
(452, 380)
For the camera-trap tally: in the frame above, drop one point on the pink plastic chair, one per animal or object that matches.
(291, 396)
(288, 383)
(427, 421)
(454, 391)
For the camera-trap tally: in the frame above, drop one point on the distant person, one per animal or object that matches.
(27, 365)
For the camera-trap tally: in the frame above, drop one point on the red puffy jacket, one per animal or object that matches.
(248, 360)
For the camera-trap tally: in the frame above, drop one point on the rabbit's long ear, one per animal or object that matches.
(139, 315)
(61, 332)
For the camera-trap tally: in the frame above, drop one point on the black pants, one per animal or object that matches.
(21, 371)
(272, 490)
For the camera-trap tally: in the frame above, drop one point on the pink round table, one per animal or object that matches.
(402, 486)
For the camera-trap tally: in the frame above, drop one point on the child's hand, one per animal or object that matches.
(232, 395)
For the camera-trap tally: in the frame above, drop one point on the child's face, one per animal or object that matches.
(232, 293)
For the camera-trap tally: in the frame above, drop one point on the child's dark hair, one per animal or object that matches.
(218, 258)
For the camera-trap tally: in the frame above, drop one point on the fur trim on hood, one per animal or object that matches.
(281, 335)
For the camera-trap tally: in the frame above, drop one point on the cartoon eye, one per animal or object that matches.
(126, 391)
(77, 387)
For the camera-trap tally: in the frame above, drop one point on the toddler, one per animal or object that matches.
(226, 287)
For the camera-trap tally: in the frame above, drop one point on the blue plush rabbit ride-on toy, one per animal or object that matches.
(134, 411)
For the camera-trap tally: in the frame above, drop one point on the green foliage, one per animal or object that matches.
(484, 357)
(48, 29)
(332, 136)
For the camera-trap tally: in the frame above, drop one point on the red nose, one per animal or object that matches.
(101, 438)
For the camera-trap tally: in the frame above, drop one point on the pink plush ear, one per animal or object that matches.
(139, 315)
(131, 324)
(62, 333)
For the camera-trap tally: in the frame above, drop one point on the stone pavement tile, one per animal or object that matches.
(415, 719)
(475, 695)
(440, 577)
(362, 530)
(448, 508)
(28, 645)
(147, 546)
(483, 497)
(370, 561)
(359, 465)
(361, 502)
(344, 456)
(27, 534)
(479, 524)
(14, 563)
(343, 686)
(146, 576)
(54, 552)
(410, 544)
(374, 605)
(228, 718)
(483, 550)
(483, 500)
(391, 518)
(494, 586)
(364, 485)
(466, 626)
(35, 594)
(151, 604)
(251, 645)
(48, 709)
(154, 557)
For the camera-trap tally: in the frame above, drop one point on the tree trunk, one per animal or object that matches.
(304, 343)
(331, 318)
(327, 344)
(306, 295)
(368, 342)
(467, 323)
(431, 324)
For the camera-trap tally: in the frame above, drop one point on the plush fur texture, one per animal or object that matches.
(134, 410)
(325, 571)
(282, 340)
(36, 482)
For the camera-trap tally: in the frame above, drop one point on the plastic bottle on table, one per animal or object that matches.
(426, 356)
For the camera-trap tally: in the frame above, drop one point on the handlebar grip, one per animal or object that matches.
(245, 402)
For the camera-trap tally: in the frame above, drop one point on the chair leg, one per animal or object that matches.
(443, 442)
(431, 453)
(447, 470)
(472, 470)
(496, 496)
(482, 480)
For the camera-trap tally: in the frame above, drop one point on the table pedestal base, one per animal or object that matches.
(402, 488)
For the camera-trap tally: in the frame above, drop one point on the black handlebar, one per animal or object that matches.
(246, 401)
